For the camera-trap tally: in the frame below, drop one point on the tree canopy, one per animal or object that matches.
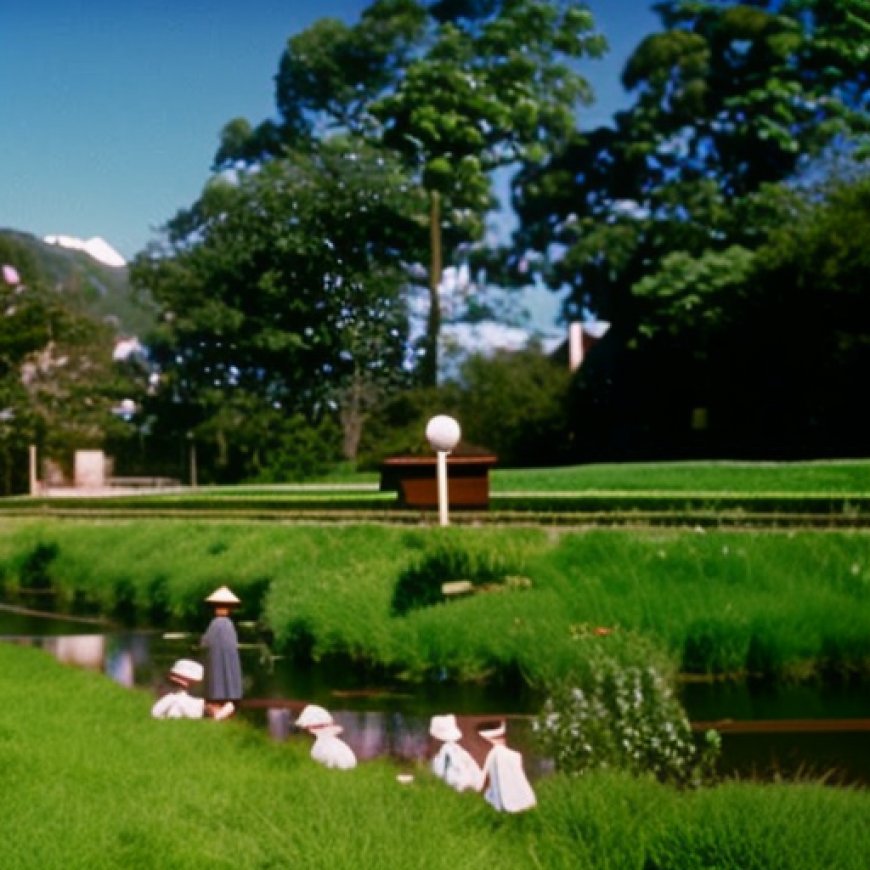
(280, 288)
(656, 223)
(457, 89)
(59, 383)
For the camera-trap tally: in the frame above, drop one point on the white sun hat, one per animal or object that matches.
(187, 669)
(314, 717)
(223, 595)
(445, 727)
(492, 731)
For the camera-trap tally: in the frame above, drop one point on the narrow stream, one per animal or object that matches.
(385, 718)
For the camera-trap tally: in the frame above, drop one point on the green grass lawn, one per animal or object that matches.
(91, 781)
(811, 478)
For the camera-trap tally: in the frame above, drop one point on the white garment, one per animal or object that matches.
(457, 768)
(508, 788)
(333, 752)
(178, 705)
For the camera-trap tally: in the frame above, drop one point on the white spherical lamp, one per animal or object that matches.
(443, 433)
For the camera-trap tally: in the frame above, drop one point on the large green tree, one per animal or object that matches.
(730, 97)
(280, 292)
(458, 88)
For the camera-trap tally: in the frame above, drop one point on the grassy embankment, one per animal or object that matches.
(90, 781)
(781, 604)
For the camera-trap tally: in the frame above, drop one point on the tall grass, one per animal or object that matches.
(777, 604)
(91, 781)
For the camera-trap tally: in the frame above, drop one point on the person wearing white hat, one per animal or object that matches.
(178, 704)
(507, 788)
(223, 669)
(453, 763)
(328, 749)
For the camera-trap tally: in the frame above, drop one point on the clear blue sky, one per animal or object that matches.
(112, 110)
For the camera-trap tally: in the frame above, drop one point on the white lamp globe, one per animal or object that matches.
(443, 433)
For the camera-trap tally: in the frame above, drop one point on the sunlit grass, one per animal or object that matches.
(818, 477)
(91, 781)
(780, 604)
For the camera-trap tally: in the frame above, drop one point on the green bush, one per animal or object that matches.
(622, 714)
(301, 451)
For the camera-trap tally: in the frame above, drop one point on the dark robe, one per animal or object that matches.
(223, 668)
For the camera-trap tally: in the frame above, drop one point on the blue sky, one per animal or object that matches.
(112, 110)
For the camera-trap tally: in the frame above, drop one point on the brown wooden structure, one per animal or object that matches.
(415, 479)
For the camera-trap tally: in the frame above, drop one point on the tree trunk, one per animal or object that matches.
(352, 416)
(429, 364)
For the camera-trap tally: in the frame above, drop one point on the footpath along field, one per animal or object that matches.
(91, 781)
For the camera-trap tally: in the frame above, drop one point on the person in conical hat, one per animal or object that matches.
(453, 763)
(506, 786)
(328, 749)
(223, 667)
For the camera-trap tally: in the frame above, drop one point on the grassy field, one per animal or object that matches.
(824, 477)
(90, 781)
(829, 494)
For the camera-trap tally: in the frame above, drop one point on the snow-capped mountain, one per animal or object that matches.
(96, 247)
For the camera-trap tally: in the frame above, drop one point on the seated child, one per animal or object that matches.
(178, 704)
(328, 749)
(507, 787)
(453, 763)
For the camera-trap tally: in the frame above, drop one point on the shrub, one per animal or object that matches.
(622, 714)
(300, 451)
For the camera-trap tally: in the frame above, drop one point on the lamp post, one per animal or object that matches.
(443, 434)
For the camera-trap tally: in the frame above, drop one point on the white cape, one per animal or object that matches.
(457, 768)
(508, 789)
(178, 705)
(333, 752)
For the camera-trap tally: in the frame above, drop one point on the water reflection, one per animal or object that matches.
(390, 720)
(378, 719)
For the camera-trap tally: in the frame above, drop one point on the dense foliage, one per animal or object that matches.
(669, 224)
(280, 296)
(59, 381)
(720, 226)
(619, 711)
(457, 89)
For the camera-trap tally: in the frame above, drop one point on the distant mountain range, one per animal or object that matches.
(93, 274)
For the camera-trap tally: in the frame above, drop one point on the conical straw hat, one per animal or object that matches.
(223, 595)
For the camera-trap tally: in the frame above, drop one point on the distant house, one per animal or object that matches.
(582, 337)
